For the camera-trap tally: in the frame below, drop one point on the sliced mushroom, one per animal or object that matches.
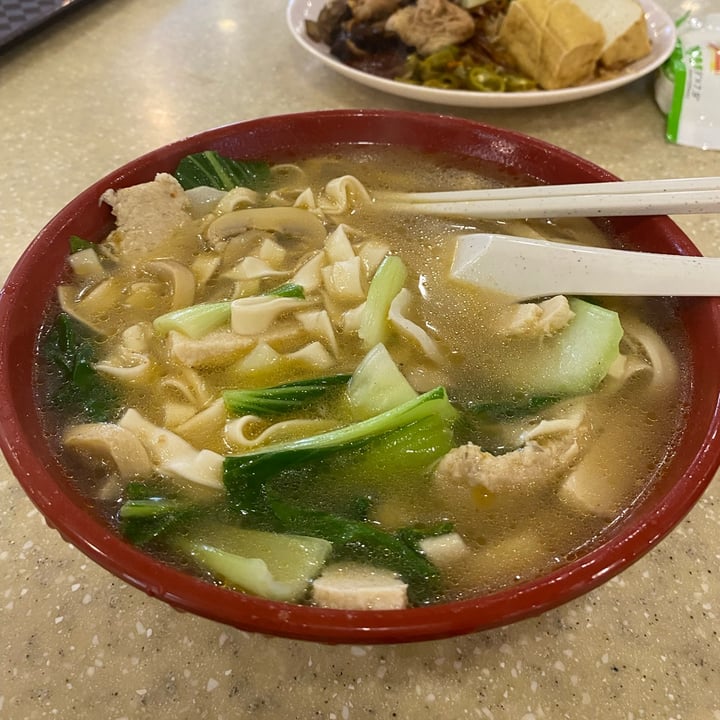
(137, 338)
(288, 174)
(69, 305)
(665, 371)
(285, 220)
(113, 444)
(130, 360)
(215, 349)
(144, 294)
(92, 304)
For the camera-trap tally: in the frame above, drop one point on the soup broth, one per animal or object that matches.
(510, 475)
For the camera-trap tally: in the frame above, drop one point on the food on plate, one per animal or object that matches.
(270, 380)
(431, 26)
(625, 28)
(561, 43)
(491, 46)
(556, 43)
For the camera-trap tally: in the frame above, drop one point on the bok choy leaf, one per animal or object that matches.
(77, 244)
(390, 437)
(366, 543)
(211, 169)
(82, 390)
(280, 399)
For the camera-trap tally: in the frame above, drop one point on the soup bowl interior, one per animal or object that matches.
(512, 157)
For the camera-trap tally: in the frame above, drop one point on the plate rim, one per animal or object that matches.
(663, 34)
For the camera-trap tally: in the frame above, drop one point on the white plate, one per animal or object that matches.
(660, 26)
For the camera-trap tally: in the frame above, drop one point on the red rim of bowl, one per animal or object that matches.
(31, 284)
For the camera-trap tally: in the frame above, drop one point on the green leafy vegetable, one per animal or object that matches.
(77, 244)
(377, 385)
(277, 566)
(452, 69)
(401, 455)
(292, 290)
(194, 321)
(414, 535)
(82, 390)
(277, 557)
(280, 399)
(211, 169)
(364, 542)
(386, 283)
(150, 511)
(244, 475)
(198, 320)
(574, 360)
(512, 408)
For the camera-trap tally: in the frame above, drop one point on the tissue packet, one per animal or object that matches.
(687, 87)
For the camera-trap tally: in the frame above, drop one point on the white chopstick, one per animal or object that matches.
(638, 197)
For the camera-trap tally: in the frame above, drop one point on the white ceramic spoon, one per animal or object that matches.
(525, 268)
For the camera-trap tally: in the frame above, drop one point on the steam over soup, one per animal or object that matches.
(269, 380)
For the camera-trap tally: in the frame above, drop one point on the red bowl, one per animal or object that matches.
(31, 287)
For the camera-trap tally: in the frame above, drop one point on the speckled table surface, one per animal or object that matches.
(119, 77)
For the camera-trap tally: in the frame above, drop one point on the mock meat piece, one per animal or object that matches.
(431, 25)
(537, 319)
(364, 10)
(359, 587)
(515, 470)
(147, 214)
(549, 449)
(216, 349)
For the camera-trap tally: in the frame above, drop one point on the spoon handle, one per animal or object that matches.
(526, 268)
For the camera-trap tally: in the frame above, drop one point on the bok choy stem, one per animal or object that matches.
(280, 399)
(239, 471)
